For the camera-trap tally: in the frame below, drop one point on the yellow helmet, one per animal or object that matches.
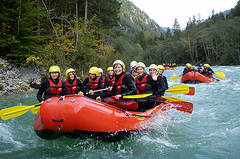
(109, 69)
(189, 65)
(207, 65)
(68, 71)
(54, 69)
(100, 71)
(141, 64)
(93, 70)
(153, 66)
(160, 67)
(119, 62)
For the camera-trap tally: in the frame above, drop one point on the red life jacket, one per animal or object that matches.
(93, 84)
(55, 89)
(141, 85)
(103, 81)
(111, 81)
(188, 70)
(118, 84)
(71, 86)
(205, 72)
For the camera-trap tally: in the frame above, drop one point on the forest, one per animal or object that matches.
(85, 33)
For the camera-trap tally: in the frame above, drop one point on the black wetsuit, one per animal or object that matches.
(45, 89)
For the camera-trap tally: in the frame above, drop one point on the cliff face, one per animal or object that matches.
(132, 19)
(16, 80)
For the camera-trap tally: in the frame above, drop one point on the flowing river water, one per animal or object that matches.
(212, 131)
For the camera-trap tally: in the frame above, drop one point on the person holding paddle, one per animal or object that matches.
(145, 85)
(124, 85)
(92, 83)
(53, 86)
(207, 71)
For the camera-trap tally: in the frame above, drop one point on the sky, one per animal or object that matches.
(164, 12)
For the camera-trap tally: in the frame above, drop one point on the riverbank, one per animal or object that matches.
(15, 79)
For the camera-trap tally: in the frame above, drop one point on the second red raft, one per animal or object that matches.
(196, 77)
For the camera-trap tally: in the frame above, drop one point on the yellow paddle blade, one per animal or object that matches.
(183, 89)
(220, 75)
(173, 99)
(177, 79)
(35, 110)
(174, 77)
(136, 96)
(13, 112)
(6, 110)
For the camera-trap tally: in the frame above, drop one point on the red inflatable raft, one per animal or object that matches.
(170, 68)
(195, 77)
(78, 116)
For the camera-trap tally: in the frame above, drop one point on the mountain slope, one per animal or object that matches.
(132, 19)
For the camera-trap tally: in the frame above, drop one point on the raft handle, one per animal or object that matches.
(57, 120)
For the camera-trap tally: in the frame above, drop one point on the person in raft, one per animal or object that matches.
(92, 83)
(145, 85)
(160, 82)
(187, 68)
(207, 71)
(110, 76)
(73, 84)
(53, 86)
(104, 80)
(124, 85)
(133, 68)
(200, 68)
(160, 73)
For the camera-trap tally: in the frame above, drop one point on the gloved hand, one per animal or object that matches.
(118, 96)
(80, 93)
(99, 99)
(91, 92)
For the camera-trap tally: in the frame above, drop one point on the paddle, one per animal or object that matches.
(16, 111)
(177, 79)
(183, 106)
(173, 99)
(174, 77)
(182, 89)
(191, 91)
(220, 75)
(136, 96)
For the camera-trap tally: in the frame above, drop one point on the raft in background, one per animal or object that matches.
(78, 116)
(170, 68)
(196, 77)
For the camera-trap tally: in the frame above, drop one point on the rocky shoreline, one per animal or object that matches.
(17, 80)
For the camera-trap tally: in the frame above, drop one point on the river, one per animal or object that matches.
(212, 131)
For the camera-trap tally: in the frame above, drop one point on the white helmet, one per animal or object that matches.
(121, 63)
(141, 64)
(133, 64)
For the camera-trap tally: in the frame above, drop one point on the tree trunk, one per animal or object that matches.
(86, 10)
(76, 43)
(49, 18)
(19, 15)
(39, 24)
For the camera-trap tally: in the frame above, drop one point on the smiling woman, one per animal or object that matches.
(164, 12)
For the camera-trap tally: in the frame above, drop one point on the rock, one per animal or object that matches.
(16, 80)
